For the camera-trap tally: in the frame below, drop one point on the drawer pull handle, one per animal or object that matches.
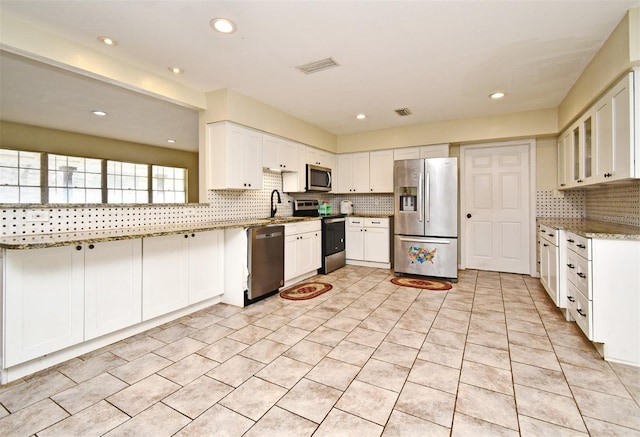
(545, 245)
(581, 246)
(582, 275)
(571, 299)
(570, 240)
(551, 235)
(571, 266)
(581, 313)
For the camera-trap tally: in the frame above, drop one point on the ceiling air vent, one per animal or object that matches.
(403, 112)
(314, 67)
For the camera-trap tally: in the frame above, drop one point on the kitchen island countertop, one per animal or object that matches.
(593, 228)
(39, 241)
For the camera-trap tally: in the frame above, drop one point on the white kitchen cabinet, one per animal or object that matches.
(552, 271)
(180, 270)
(234, 157)
(296, 182)
(406, 153)
(302, 250)
(279, 153)
(564, 160)
(43, 307)
(434, 151)
(602, 292)
(368, 241)
(614, 133)
(353, 172)
(113, 286)
(320, 157)
(381, 171)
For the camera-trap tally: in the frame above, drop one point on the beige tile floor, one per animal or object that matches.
(492, 356)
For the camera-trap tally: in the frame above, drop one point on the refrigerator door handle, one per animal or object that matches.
(423, 240)
(420, 197)
(427, 199)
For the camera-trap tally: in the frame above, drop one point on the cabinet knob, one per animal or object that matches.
(91, 246)
(186, 236)
(570, 240)
(581, 246)
(193, 235)
(562, 185)
(570, 266)
(581, 312)
(571, 299)
(551, 235)
(545, 245)
(582, 275)
(469, 216)
(78, 247)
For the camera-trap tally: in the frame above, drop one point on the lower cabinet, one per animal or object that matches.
(302, 249)
(179, 270)
(552, 272)
(61, 296)
(369, 241)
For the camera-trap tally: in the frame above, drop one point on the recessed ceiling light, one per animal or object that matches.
(223, 25)
(497, 95)
(171, 140)
(361, 116)
(176, 70)
(99, 113)
(108, 41)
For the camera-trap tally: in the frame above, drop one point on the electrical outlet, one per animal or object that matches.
(557, 194)
(37, 216)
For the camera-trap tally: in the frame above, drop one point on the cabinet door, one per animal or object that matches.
(270, 152)
(576, 155)
(44, 302)
(435, 151)
(305, 254)
(206, 265)
(354, 244)
(345, 173)
(603, 138)
(288, 155)
(316, 250)
(290, 257)
(587, 156)
(165, 264)
(376, 245)
(360, 172)
(381, 171)
(251, 160)
(544, 264)
(113, 286)
(406, 153)
(622, 122)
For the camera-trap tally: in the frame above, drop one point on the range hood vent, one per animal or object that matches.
(403, 112)
(314, 67)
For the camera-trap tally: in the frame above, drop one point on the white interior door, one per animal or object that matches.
(496, 208)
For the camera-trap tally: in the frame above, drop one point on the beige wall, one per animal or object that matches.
(546, 164)
(25, 137)
(500, 127)
(618, 54)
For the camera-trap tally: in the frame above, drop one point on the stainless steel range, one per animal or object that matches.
(333, 234)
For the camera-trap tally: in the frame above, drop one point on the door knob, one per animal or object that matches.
(468, 215)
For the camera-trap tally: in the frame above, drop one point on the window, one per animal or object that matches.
(20, 177)
(127, 182)
(74, 180)
(169, 184)
(35, 177)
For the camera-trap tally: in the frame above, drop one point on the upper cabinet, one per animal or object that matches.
(381, 171)
(432, 151)
(279, 153)
(234, 157)
(599, 147)
(353, 173)
(320, 157)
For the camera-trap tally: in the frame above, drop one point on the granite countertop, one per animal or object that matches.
(39, 241)
(593, 228)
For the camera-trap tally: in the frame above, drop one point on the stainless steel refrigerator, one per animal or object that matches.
(426, 217)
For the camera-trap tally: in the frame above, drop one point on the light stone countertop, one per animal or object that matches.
(39, 241)
(593, 228)
(370, 215)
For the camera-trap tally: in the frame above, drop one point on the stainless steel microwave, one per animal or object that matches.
(318, 178)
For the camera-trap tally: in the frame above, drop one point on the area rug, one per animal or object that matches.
(306, 290)
(427, 284)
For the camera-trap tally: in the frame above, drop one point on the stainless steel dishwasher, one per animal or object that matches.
(266, 260)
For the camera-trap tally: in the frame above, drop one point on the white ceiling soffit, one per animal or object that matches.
(440, 58)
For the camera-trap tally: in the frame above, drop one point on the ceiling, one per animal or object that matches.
(440, 59)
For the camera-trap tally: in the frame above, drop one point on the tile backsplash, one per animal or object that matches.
(617, 203)
(566, 204)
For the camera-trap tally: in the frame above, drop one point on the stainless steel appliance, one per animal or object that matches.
(426, 217)
(318, 178)
(333, 234)
(266, 261)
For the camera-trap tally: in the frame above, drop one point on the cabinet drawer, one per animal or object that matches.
(581, 309)
(376, 223)
(579, 245)
(583, 276)
(302, 227)
(571, 267)
(549, 234)
(355, 222)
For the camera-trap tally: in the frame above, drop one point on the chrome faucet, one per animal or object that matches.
(274, 208)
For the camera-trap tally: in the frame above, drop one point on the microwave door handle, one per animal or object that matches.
(420, 205)
(328, 179)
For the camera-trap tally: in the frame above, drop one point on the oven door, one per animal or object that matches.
(333, 230)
